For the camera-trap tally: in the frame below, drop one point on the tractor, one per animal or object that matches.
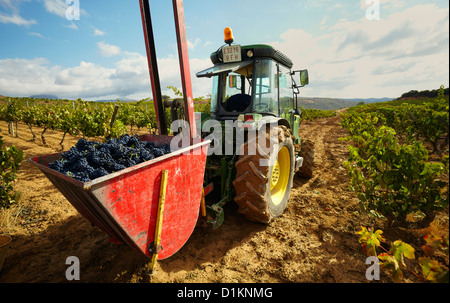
(255, 91)
(247, 149)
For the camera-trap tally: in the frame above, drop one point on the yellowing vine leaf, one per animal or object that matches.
(393, 262)
(433, 243)
(370, 240)
(400, 249)
(432, 270)
(391, 266)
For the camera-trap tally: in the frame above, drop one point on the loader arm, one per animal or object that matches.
(184, 66)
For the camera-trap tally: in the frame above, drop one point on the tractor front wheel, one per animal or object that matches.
(264, 180)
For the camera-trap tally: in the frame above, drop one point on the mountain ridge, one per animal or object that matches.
(334, 103)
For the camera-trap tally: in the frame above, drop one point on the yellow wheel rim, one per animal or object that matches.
(280, 175)
(275, 175)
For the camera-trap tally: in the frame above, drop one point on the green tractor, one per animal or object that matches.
(254, 91)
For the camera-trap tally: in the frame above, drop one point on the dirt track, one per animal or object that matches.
(313, 241)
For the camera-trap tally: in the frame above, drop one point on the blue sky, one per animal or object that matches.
(349, 50)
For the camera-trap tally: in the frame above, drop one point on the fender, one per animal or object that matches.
(260, 121)
(270, 119)
(267, 120)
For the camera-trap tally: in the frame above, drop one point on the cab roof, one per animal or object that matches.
(258, 51)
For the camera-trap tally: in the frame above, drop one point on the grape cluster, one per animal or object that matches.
(88, 160)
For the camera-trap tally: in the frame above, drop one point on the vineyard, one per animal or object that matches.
(389, 164)
(73, 117)
(399, 165)
(94, 119)
(381, 178)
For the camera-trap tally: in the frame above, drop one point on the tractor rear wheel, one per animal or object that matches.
(264, 180)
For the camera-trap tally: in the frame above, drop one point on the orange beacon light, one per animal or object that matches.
(228, 35)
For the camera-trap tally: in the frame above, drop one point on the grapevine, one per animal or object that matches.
(390, 169)
(10, 158)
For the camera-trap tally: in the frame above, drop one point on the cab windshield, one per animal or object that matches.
(233, 90)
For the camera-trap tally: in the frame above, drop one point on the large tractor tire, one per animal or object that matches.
(307, 152)
(264, 180)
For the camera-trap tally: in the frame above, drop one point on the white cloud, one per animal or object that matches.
(201, 87)
(98, 32)
(37, 35)
(23, 77)
(192, 45)
(57, 7)
(16, 19)
(108, 50)
(129, 78)
(12, 13)
(72, 26)
(405, 50)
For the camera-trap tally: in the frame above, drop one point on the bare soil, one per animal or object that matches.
(313, 241)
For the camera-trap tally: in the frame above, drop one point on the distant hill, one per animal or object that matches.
(304, 102)
(114, 100)
(334, 103)
(324, 103)
(44, 97)
(371, 100)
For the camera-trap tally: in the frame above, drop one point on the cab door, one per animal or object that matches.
(286, 96)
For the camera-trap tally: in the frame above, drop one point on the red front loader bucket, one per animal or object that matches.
(124, 204)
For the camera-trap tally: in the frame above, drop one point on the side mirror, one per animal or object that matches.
(304, 77)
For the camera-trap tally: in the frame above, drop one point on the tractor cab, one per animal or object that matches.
(253, 79)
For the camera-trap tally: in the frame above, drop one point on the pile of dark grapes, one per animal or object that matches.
(88, 160)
